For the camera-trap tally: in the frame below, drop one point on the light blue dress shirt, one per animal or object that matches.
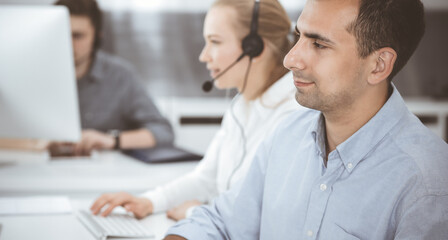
(389, 180)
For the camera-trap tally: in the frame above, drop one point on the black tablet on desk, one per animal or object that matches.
(163, 154)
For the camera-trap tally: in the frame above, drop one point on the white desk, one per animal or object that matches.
(67, 226)
(82, 181)
(110, 171)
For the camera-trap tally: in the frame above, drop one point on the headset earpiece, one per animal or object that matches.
(253, 44)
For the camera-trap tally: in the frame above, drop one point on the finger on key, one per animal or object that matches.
(128, 207)
(111, 207)
(99, 204)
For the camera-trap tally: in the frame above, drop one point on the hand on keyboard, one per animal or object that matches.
(115, 225)
(140, 207)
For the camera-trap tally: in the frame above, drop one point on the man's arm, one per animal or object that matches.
(426, 218)
(93, 139)
(23, 144)
(141, 112)
(140, 138)
(174, 237)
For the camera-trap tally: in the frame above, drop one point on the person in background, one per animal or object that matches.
(358, 164)
(264, 100)
(116, 112)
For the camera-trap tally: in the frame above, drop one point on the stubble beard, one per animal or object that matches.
(324, 103)
(82, 60)
(310, 99)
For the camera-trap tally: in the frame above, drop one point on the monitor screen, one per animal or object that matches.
(38, 93)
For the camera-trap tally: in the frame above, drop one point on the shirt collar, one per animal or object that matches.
(318, 133)
(96, 71)
(357, 146)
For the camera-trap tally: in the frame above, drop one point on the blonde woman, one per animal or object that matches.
(266, 97)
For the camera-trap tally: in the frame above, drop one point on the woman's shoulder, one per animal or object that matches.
(280, 93)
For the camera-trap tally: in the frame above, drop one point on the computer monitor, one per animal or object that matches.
(38, 93)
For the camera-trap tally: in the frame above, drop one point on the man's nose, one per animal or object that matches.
(294, 59)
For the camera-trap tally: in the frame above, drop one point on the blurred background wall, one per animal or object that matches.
(163, 39)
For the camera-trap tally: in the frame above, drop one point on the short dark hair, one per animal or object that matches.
(398, 24)
(90, 9)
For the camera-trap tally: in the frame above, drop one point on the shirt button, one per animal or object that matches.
(323, 187)
(309, 233)
(350, 165)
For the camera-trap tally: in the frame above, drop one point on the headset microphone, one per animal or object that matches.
(208, 85)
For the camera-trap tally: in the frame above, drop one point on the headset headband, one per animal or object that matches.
(253, 44)
(254, 23)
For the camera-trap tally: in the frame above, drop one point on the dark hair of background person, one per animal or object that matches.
(398, 24)
(90, 9)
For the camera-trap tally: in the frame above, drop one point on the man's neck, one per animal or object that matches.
(344, 122)
(83, 68)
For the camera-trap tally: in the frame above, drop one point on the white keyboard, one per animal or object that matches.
(114, 225)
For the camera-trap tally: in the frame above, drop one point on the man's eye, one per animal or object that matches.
(77, 36)
(215, 41)
(318, 46)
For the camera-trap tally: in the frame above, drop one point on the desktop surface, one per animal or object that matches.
(82, 181)
(67, 226)
(108, 172)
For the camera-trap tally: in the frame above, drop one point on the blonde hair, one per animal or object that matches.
(274, 27)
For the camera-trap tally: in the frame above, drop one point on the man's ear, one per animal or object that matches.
(383, 61)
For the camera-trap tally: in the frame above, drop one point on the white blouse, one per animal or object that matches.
(225, 153)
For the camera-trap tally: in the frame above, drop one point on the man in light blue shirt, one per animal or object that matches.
(359, 166)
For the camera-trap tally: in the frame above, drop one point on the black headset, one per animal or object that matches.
(252, 46)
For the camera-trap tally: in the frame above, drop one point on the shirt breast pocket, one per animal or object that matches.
(337, 232)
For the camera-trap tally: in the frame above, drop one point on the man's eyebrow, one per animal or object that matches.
(315, 36)
(213, 36)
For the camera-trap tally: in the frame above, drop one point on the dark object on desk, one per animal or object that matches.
(162, 154)
(64, 150)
